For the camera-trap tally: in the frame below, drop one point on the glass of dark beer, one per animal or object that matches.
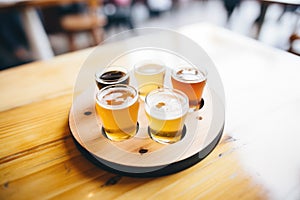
(111, 75)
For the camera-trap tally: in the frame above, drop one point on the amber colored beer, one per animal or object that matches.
(117, 107)
(166, 111)
(111, 76)
(191, 81)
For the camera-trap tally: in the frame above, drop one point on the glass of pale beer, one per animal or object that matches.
(191, 81)
(149, 75)
(166, 110)
(111, 75)
(117, 107)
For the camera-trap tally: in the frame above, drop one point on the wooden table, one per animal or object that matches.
(257, 157)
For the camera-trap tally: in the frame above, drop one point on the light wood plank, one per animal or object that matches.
(194, 183)
(38, 159)
(40, 80)
(199, 181)
(29, 126)
(108, 186)
(51, 180)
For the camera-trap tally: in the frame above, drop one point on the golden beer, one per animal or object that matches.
(117, 107)
(191, 81)
(150, 76)
(166, 110)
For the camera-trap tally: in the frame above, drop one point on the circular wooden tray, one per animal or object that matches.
(141, 156)
(151, 171)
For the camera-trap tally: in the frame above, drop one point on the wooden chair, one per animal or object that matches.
(89, 21)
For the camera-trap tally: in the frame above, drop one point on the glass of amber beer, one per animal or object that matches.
(166, 110)
(149, 75)
(111, 75)
(117, 107)
(191, 81)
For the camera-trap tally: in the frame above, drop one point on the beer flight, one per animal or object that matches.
(117, 102)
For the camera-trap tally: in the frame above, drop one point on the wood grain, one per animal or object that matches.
(257, 157)
(84, 181)
(40, 80)
(33, 125)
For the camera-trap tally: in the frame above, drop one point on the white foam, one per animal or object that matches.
(150, 69)
(166, 105)
(189, 75)
(117, 97)
(113, 94)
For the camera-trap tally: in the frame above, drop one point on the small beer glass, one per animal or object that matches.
(149, 75)
(117, 107)
(111, 76)
(191, 81)
(166, 110)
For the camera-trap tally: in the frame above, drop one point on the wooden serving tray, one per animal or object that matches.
(140, 155)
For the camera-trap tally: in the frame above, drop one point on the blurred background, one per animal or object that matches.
(40, 29)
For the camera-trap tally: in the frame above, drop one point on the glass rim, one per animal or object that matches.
(117, 107)
(203, 71)
(174, 91)
(149, 61)
(108, 69)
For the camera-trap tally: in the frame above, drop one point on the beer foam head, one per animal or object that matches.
(166, 104)
(189, 74)
(149, 67)
(116, 97)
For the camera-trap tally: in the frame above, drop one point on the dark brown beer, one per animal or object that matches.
(111, 77)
